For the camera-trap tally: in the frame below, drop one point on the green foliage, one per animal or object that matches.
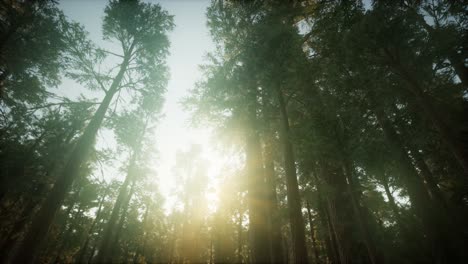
(32, 43)
(365, 102)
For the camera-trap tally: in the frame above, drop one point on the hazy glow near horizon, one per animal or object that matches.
(190, 41)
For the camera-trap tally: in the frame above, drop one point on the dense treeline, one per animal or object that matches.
(349, 119)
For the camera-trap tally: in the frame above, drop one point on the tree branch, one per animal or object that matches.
(112, 53)
(60, 104)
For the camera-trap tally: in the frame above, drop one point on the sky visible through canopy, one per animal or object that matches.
(226, 131)
(190, 41)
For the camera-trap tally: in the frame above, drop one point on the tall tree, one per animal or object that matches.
(144, 44)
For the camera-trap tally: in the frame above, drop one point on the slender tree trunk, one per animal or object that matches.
(332, 247)
(173, 243)
(93, 250)
(66, 236)
(312, 235)
(368, 241)
(429, 180)
(352, 187)
(392, 203)
(104, 252)
(239, 236)
(448, 136)
(119, 229)
(44, 218)
(256, 197)
(141, 250)
(20, 224)
(275, 224)
(324, 217)
(82, 252)
(294, 200)
(444, 242)
(274, 218)
(339, 211)
(29, 209)
(211, 251)
(63, 230)
(332, 250)
(430, 183)
(287, 257)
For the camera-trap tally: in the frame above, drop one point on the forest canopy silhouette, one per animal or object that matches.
(339, 130)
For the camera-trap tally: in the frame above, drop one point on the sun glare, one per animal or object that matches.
(223, 131)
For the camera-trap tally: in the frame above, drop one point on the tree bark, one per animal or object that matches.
(426, 174)
(118, 230)
(429, 180)
(256, 192)
(368, 241)
(312, 235)
(354, 194)
(338, 211)
(104, 252)
(43, 220)
(66, 236)
(448, 136)
(93, 249)
(444, 242)
(332, 248)
(239, 236)
(20, 223)
(393, 205)
(274, 219)
(66, 224)
(141, 250)
(294, 200)
(82, 252)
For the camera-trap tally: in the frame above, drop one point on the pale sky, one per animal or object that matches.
(190, 41)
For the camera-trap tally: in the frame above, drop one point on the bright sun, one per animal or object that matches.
(215, 160)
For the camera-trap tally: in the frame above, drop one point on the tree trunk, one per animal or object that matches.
(362, 223)
(426, 174)
(239, 236)
(82, 252)
(392, 203)
(31, 205)
(20, 224)
(118, 230)
(256, 195)
(339, 210)
(332, 248)
(294, 200)
(312, 235)
(429, 180)
(354, 194)
(64, 227)
(211, 251)
(44, 218)
(444, 242)
(93, 250)
(274, 218)
(66, 236)
(104, 252)
(448, 136)
(141, 250)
